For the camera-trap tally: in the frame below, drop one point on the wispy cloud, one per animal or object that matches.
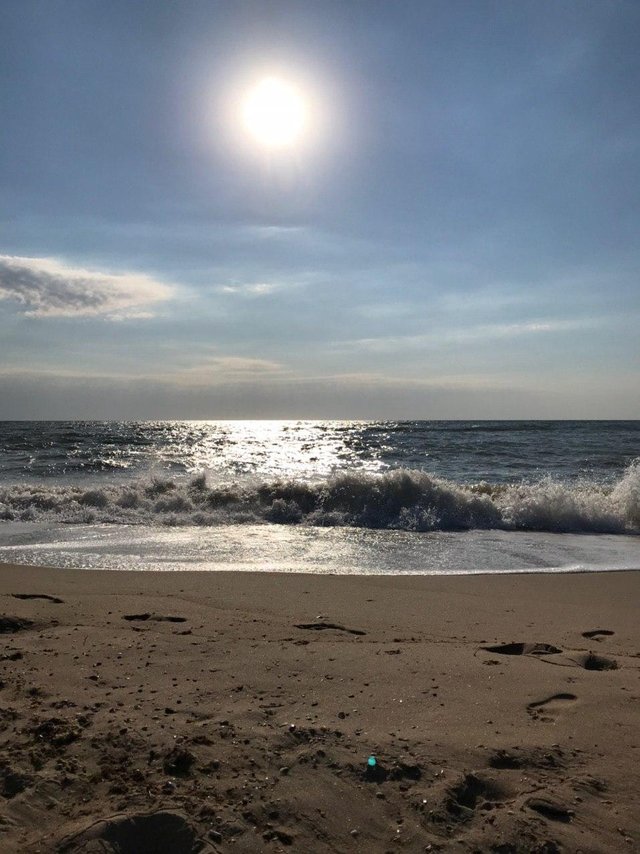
(483, 332)
(274, 231)
(246, 372)
(226, 369)
(212, 371)
(46, 287)
(257, 289)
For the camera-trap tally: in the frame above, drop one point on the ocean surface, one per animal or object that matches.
(322, 496)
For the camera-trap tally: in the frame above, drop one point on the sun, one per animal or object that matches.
(275, 113)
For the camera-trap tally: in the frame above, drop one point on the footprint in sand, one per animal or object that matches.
(141, 832)
(523, 649)
(597, 634)
(591, 661)
(38, 596)
(551, 708)
(156, 618)
(522, 758)
(470, 793)
(331, 626)
(11, 625)
(554, 810)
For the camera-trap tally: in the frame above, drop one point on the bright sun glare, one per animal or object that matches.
(275, 113)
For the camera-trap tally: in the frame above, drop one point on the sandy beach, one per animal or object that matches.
(202, 712)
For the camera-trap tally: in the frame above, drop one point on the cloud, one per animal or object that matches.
(212, 370)
(48, 288)
(259, 289)
(226, 369)
(485, 332)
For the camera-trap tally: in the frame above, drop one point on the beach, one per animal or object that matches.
(222, 711)
(319, 427)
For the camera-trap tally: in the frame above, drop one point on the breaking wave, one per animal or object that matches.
(401, 499)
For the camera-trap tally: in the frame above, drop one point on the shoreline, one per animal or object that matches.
(239, 709)
(458, 573)
(305, 549)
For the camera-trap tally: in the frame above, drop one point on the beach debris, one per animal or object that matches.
(371, 761)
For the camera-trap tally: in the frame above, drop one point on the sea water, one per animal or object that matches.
(322, 496)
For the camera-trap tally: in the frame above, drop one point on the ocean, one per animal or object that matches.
(322, 496)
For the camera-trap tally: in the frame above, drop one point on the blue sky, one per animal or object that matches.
(456, 235)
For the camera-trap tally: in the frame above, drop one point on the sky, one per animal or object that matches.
(455, 234)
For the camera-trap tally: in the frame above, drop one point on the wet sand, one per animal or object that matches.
(237, 711)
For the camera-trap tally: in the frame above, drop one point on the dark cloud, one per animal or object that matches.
(48, 288)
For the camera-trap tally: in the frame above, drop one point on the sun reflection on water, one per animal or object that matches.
(228, 450)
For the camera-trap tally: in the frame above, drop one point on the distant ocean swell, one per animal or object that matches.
(401, 499)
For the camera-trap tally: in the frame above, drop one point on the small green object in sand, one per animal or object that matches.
(372, 762)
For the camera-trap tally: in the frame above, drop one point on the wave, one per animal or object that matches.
(400, 499)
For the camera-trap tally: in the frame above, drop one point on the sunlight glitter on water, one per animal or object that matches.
(340, 551)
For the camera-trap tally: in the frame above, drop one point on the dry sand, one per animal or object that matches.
(185, 712)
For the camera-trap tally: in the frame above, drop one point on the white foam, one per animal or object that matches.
(400, 499)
